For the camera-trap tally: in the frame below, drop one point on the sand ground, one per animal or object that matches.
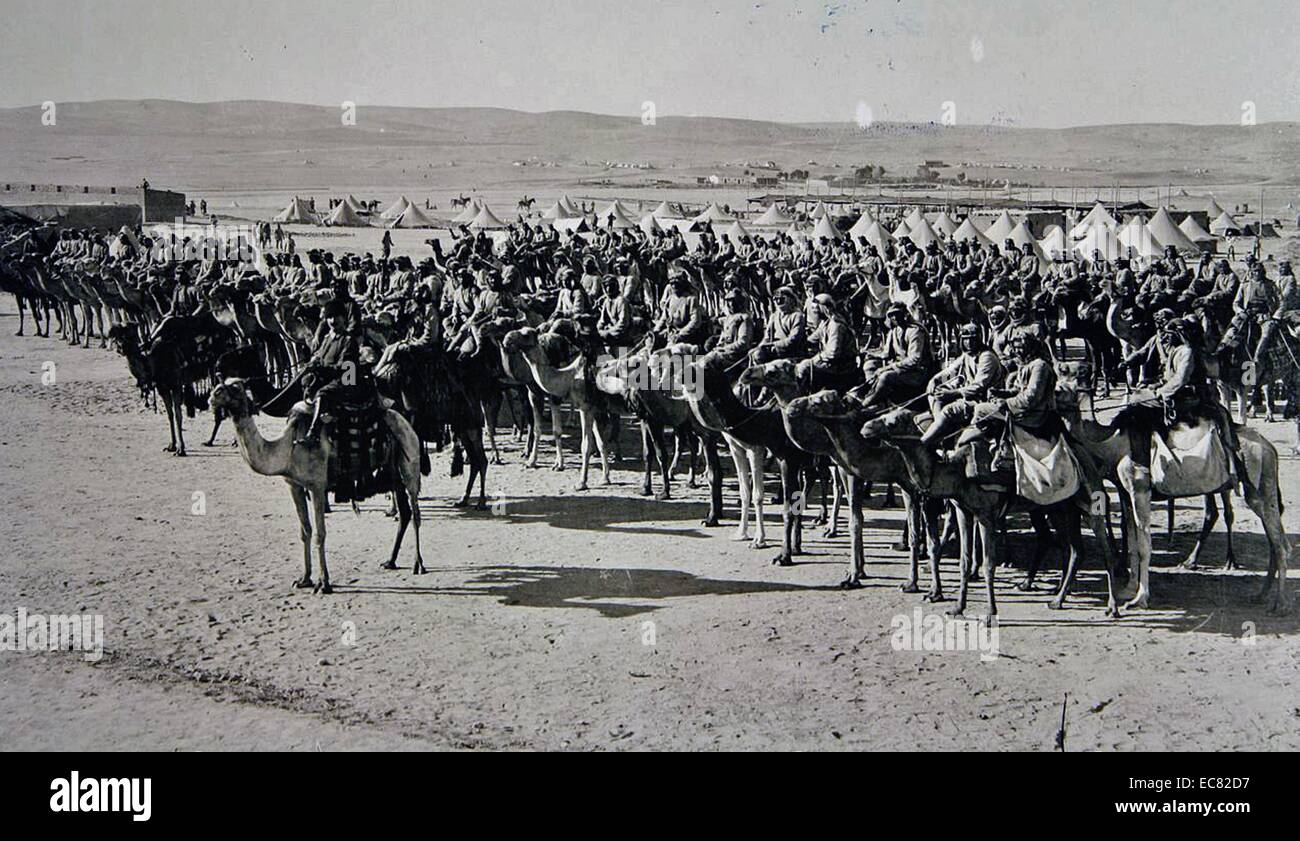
(530, 630)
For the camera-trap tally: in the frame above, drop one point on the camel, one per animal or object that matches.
(868, 463)
(650, 398)
(984, 505)
(1109, 446)
(305, 467)
(429, 395)
(778, 377)
(567, 381)
(752, 435)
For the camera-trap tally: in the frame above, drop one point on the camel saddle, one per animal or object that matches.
(361, 462)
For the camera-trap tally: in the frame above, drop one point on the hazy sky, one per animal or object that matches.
(1044, 63)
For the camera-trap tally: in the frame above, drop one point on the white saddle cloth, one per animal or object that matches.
(1046, 471)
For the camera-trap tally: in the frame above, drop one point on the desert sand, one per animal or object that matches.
(529, 631)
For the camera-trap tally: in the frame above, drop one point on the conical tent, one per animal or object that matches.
(774, 215)
(559, 211)
(901, 231)
(713, 213)
(1212, 210)
(468, 214)
(944, 224)
(795, 231)
(569, 207)
(572, 225)
(615, 207)
(1053, 243)
(1224, 223)
(486, 219)
(736, 231)
(818, 211)
(864, 223)
(297, 211)
(396, 209)
(649, 224)
(1168, 234)
(916, 217)
(1097, 216)
(665, 211)
(351, 201)
(876, 235)
(825, 229)
(414, 217)
(345, 217)
(1100, 239)
(1194, 231)
(1137, 239)
(968, 232)
(1001, 228)
(614, 217)
(922, 234)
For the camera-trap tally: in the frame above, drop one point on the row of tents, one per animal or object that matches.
(1097, 230)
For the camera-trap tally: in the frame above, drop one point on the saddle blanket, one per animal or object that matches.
(1046, 470)
(1192, 462)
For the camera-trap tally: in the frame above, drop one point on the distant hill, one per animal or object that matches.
(273, 145)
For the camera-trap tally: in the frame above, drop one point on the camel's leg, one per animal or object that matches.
(714, 463)
(647, 453)
(985, 529)
(535, 434)
(1140, 540)
(657, 441)
(304, 524)
(180, 425)
(318, 517)
(478, 463)
(587, 433)
(740, 457)
(491, 414)
(1042, 542)
(217, 415)
(1230, 561)
(1266, 506)
(404, 519)
(557, 430)
(857, 560)
(966, 534)
(832, 528)
(757, 470)
(18, 299)
(171, 423)
(933, 516)
(1209, 517)
(1169, 531)
(607, 438)
(912, 537)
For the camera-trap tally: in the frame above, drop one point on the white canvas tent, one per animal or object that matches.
(968, 232)
(1194, 232)
(901, 231)
(1167, 234)
(922, 234)
(736, 231)
(944, 224)
(344, 216)
(414, 217)
(1100, 239)
(1097, 216)
(297, 211)
(825, 228)
(773, 216)
(396, 209)
(1000, 229)
(916, 217)
(467, 214)
(1224, 223)
(486, 219)
(665, 211)
(712, 214)
(876, 235)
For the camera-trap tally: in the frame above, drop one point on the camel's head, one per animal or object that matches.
(896, 423)
(778, 372)
(125, 338)
(826, 404)
(233, 397)
(521, 340)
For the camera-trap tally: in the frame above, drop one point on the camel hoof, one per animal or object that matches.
(663, 496)
(740, 536)
(324, 588)
(851, 583)
(211, 443)
(646, 490)
(758, 543)
(934, 596)
(418, 569)
(1230, 564)
(1026, 586)
(388, 565)
(1136, 604)
(582, 486)
(909, 587)
(956, 612)
(304, 583)
(709, 522)
(460, 503)
(1056, 604)
(782, 560)
(1188, 564)
(830, 532)
(900, 546)
(481, 506)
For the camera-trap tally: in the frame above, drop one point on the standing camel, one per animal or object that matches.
(305, 467)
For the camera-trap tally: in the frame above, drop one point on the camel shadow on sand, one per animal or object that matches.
(1205, 600)
(614, 592)
(588, 511)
